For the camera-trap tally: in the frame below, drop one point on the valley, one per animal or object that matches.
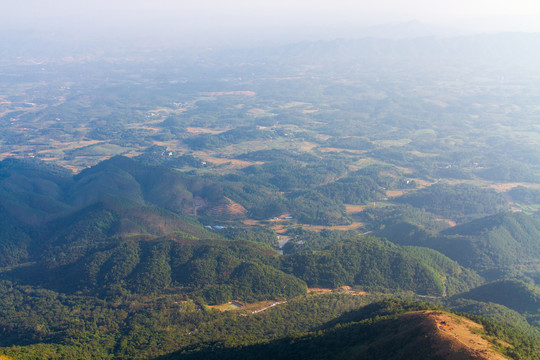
(320, 200)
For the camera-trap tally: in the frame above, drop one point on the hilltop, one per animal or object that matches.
(384, 330)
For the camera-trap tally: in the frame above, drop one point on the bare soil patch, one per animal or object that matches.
(279, 229)
(448, 221)
(307, 146)
(394, 193)
(354, 209)
(318, 290)
(294, 104)
(500, 188)
(71, 146)
(461, 335)
(256, 111)
(201, 130)
(234, 163)
(317, 228)
(229, 210)
(251, 222)
(422, 183)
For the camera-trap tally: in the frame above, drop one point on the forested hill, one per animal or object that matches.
(211, 270)
(222, 203)
(118, 228)
(513, 294)
(379, 265)
(492, 245)
(35, 192)
(386, 330)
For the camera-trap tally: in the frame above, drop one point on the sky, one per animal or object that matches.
(207, 20)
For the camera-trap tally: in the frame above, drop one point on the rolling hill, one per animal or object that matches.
(513, 294)
(491, 245)
(384, 330)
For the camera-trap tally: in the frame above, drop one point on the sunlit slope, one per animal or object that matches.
(386, 330)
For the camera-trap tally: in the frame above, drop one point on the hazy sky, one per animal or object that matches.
(214, 18)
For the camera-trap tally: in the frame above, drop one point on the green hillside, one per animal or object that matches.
(456, 278)
(513, 294)
(32, 191)
(14, 240)
(385, 330)
(492, 245)
(375, 263)
(495, 312)
(215, 271)
(112, 217)
(35, 192)
(457, 202)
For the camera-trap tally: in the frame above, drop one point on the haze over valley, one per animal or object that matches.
(286, 182)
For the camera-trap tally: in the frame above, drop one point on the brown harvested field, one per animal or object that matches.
(71, 145)
(279, 229)
(354, 209)
(5, 155)
(294, 104)
(201, 130)
(56, 146)
(251, 222)
(228, 211)
(238, 164)
(405, 170)
(448, 221)
(319, 290)
(48, 158)
(171, 144)
(256, 111)
(74, 169)
(307, 146)
(318, 228)
(500, 188)
(394, 193)
(422, 183)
